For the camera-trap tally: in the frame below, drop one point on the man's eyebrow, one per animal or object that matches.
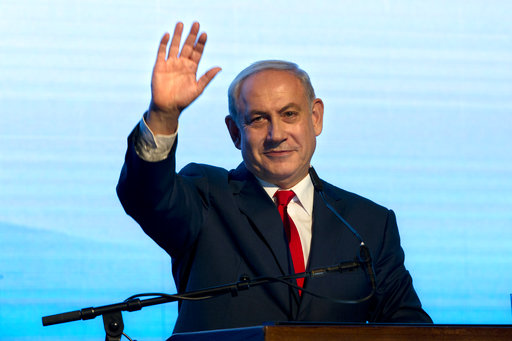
(290, 106)
(256, 112)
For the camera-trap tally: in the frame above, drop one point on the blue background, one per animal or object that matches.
(418, 104)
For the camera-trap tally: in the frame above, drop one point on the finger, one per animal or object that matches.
(207, 77)
(162, 48)
(197, 53)
(176, 39)
(188, 46)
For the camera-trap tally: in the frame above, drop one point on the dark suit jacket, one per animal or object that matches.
(218, 224)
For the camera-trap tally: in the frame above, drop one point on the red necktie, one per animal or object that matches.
(283, 198)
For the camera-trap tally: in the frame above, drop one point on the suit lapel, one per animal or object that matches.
(329, 238)
(328, 233)
(255, 203)
(265, 220)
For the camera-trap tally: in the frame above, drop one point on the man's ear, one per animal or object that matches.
(317, 114)
(234, 131)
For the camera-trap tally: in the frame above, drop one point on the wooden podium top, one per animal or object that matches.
(363, 332)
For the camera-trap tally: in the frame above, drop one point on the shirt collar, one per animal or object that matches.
(304, 192)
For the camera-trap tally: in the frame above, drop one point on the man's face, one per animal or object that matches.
(277, 127)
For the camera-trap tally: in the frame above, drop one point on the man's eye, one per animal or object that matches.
(290, 113)
(256, 119)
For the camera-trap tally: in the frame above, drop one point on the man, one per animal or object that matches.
(218, 225)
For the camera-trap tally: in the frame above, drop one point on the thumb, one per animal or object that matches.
(207, 77)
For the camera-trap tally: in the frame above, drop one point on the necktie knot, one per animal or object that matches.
(283, 198)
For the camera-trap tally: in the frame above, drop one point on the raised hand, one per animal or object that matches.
(174, 84)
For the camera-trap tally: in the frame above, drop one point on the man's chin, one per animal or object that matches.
(284, 175)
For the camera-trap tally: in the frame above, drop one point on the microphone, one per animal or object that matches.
(364, 256)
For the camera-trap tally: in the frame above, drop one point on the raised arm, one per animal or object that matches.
(174, 84)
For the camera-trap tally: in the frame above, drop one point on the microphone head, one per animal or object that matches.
(364, 253)
(365, 258)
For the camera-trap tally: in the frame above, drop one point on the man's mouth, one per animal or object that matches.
(277, 153)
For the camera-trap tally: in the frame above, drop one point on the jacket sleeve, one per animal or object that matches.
(169, 208)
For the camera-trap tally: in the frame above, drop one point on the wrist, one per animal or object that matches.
(162, 122)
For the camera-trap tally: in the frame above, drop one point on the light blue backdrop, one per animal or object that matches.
(418, 98)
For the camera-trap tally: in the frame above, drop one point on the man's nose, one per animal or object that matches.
(276, 131)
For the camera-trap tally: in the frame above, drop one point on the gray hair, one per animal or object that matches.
(236, 84)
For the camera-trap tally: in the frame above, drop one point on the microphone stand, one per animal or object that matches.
(113, 320)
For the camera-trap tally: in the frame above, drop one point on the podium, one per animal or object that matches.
(363, 332)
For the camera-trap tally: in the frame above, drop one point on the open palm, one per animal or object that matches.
(174, 84)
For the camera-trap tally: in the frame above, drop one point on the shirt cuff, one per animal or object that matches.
(151, 147)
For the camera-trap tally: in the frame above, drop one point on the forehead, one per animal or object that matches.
(271, 88)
